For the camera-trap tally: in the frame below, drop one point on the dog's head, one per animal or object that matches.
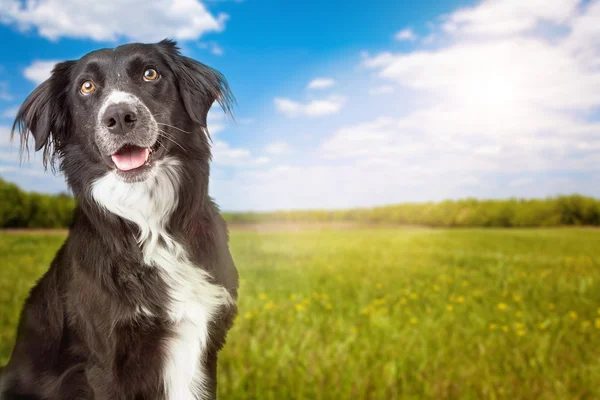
(123, 110)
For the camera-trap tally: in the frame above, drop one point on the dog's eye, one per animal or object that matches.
(87, 87)
(150, 74)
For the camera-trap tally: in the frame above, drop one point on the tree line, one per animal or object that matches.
(20, 209)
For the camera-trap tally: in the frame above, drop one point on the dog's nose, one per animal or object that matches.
(120, 118)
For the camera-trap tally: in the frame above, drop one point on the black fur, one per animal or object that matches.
(79, 336)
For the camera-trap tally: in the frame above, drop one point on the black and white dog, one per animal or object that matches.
(139, 299)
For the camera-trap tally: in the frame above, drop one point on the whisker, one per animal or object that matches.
(174, 127)
(168, 137)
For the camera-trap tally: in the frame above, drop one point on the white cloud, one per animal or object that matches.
(520, 182)
(277, 148)
(4, 93)
(405, 34)
(224, 154)
(109, 20)
(4, 136)
(213, 47)
(10, 112)
(507, 17)
(23, 171)
(383, 89)
(39, 71)
(314, 108)
(216, 120)
(498, 96)
(321, 83)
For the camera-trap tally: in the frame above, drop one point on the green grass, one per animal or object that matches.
(393, 313)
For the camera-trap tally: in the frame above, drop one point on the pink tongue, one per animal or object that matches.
(130, 158)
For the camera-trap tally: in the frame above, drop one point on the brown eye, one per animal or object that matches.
(87, 87)
(150, 75)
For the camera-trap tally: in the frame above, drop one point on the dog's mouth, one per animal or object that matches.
(130, 158)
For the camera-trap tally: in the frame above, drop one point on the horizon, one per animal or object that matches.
(354, 107)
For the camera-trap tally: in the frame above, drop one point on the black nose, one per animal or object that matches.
(120, 118)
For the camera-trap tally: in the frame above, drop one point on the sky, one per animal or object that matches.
(349, 104)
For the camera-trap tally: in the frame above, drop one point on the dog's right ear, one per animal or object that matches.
(44, 114)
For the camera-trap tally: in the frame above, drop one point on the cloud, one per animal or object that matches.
(509, 17)
(277, 148)
(4, 93)
(496, 95)
(213, 47)
(521, 182)
(4, 136)
(405, 34)
(10, 112)
(383, 89)
(110, 20)
(314, 108)
(224, 154)
(321, 83)
(39, 71)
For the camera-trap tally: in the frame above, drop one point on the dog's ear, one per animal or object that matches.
(199, 85)
(44, 114)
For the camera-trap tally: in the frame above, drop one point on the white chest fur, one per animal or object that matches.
(193, 299)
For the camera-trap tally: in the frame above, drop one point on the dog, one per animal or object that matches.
(139, 299)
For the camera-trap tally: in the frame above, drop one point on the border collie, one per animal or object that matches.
(138, 301)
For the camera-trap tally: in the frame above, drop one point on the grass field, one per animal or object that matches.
(383, 313)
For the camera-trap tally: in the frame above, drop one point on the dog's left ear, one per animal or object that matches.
(199, 85)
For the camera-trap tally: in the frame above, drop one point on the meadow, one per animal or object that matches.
(391, 313)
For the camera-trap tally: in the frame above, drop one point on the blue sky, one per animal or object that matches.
(344, 104)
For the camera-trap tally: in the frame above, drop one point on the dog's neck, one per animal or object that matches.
(148, 204)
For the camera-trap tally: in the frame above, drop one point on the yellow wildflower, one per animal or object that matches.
(493, 327)
(501, 306)
(262, 296)
(449, 307)
(517, 298)
(597, 323)
(460, 299)
(329, 306)
(521, 332)
(413, 321)
(269, 306)
(505, 328)
(379, 302)
(300, 307)
(573, 315)
(248, 315)
(586, 324)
